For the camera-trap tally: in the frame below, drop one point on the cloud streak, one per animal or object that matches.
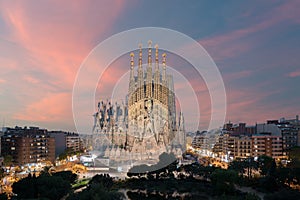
(236, 42)
(294, 74)
(56, 37)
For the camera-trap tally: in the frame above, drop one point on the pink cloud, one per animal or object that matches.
(52, 107)
(59, 37)
(56, 36)
(294, 74)
(2, 81)
(31, 79)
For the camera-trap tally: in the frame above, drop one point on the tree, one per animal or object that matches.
(66, 175)
(189, 169)
(266, 165)
(66, 153)
(45, 186)
(283, 195)
(2, 172)
(284, 176)
(3, 196)
(251, 196)
(103, 179)
(52, 187)
(45, 171)
(251, 164)
(100, 187)
(7, 161)
(243, 166)
(223, 181)
(294, 156)
(25, 188)
(238, 166)
(267, 184)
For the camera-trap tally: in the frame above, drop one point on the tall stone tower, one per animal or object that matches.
(151, 105)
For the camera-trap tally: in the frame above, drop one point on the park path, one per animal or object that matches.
(250, 190)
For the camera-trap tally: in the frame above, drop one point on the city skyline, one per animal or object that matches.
(42, 46)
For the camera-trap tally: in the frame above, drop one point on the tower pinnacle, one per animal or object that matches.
(149, 52)
(140, 55)
(156, 54)
(164, 59)
(149, 71)
(156, 75)
(131, 81)
(164, 80)
(164, 67)
(132, 61)
(140, 86)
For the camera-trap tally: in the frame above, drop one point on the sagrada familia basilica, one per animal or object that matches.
(145, 125)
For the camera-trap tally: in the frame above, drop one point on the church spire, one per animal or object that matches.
(149, 71)
(140, 55)
(131, 66)
(164, 73)
(131, 81)
(140, 94)
(131, 61)
(149, 52)
(156, 75)
(164, 81)
(156, 55)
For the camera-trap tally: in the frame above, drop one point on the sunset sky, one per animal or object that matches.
(255, 44)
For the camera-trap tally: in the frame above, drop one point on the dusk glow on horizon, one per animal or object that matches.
(255, 46)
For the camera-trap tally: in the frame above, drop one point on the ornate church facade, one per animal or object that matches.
(145, 125)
